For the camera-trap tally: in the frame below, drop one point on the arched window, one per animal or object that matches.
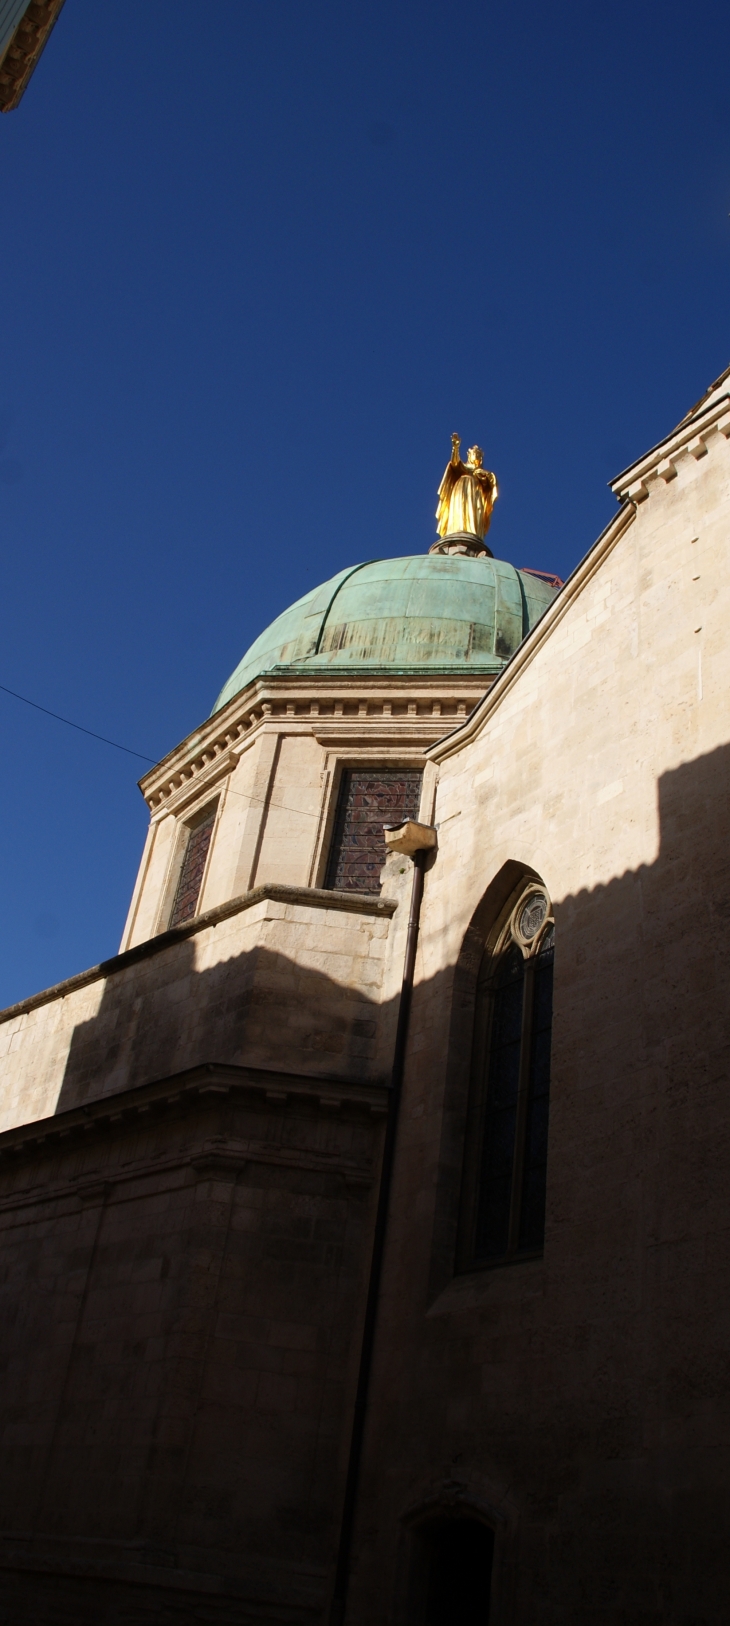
(503, 1211)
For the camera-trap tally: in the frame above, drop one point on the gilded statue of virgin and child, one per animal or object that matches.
(467, 495)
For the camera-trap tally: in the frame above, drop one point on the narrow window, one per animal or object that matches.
(193, 868)
(368, 799)
(457, 1556)
(506, 1161)
(500, 1117)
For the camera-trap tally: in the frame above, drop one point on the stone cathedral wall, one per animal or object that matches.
(187, 1194)
(578, 1403)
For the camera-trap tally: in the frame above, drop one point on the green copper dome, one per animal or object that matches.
(438, 613)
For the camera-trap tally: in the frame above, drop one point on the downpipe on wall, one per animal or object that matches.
(416, 840)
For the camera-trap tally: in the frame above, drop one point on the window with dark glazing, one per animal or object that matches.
(197, 845)
(503, 1209)
(368, 799)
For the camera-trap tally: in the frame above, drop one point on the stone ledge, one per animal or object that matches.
(277, 1086)
(660, 461)
(354, 903)
(150, 1564)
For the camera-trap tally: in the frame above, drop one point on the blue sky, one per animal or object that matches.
(259, 260)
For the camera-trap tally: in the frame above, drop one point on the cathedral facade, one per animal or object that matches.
(365, 1220)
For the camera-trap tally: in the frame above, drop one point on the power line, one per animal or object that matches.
(245, 796)
(78, 726)
(261, 801)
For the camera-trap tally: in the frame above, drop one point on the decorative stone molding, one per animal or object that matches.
(190, 784)
(106, 1113)
(462, 542)
(371, 713)
(660, 464)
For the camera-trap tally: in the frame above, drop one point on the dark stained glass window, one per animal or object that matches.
(368, 799)
(500, 1118)
(191, 874)
(506, 1165)
(532, 1207)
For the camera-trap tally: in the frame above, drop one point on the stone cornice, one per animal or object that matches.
(690, 437)
(353, 903)
(209, 1079)
(192, 780)
(453, 742)
(363, 708)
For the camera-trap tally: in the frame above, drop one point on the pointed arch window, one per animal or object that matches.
(503, 1211)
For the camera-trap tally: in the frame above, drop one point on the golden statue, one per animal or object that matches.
(467, 495)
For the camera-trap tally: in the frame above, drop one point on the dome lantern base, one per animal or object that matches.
(463, 542)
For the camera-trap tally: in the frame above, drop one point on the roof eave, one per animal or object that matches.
(452, 742)
(24, 49)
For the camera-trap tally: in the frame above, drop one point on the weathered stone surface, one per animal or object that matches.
(277, 983)
(581, 1399)
(184, 1273)
(175, 1366)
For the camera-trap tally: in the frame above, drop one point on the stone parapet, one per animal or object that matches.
(286, 977)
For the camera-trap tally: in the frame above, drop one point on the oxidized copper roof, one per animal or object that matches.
(428, 612)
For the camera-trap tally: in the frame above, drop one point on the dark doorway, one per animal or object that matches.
(458, 1560)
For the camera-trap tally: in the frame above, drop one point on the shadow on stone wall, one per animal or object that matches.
(642, 984)
(259, 1008)
(594, 1384)
(642, 977)
(601, 1396)
(641, 988)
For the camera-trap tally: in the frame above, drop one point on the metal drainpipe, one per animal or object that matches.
(342, 1572)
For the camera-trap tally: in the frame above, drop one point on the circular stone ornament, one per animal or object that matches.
(531, 915)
